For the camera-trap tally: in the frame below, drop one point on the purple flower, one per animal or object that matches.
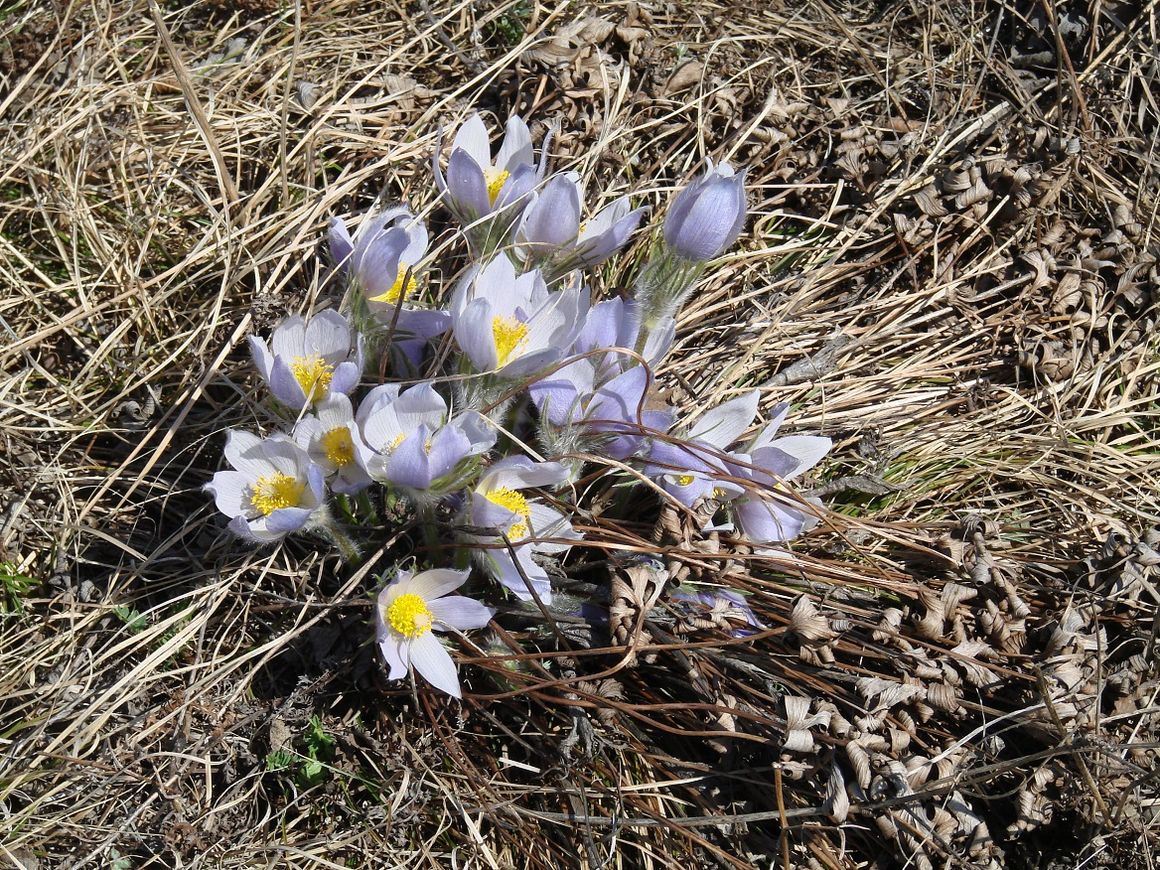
(382, 262)
(707, 216)
(409, 609)
(697, 466)
(334, 444)
(273, 490)
(478, 186)
(715, 603)
(410, 442)
(551, 232)
(311, 359)
(613, 413)
(514, 326)
(765, 514)
(498, 503)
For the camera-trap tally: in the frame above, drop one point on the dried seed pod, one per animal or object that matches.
(860, 762)
(837, 802)
(807, 623)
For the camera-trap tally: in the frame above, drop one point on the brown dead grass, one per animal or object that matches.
(950, 269)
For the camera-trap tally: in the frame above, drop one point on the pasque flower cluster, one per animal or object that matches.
(498, 403)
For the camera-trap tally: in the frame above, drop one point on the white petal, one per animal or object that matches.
(723, 425)
(432, 584)
(434, 663)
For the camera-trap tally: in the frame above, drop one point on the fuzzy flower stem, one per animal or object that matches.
(663, 286)
(347, 548)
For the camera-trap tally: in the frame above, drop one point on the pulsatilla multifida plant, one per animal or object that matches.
(534, 382)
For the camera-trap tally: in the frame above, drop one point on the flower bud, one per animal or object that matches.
(707, 216)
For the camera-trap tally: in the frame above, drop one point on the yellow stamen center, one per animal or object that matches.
(509, 334)
(496, 179)
(273, 491)
(410, 616)
(516, 503)
(337, 446)
(398, 290)
(685, 479)
(398, 439)
(313, 374)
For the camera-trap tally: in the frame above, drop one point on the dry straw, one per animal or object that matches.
(951, 271)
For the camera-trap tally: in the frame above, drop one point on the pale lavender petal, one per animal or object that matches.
(466, 185)
(472, 138)
(377, 263)
(290, 338)
(552, 220)
(394, 650)
(434, 583)
(420, 405)
(260, 354)
(328, 335)
(286, 520)
(434, 664)
(341, 244)
(475, 336)
(807, 450)
(243, 453)
(723, 425)
(345, 378)
(449, 446)
(423, 322)
(407, 464)
(777, 416)
(487, 514)
(515, 190)
(517, 579)
(765, 522)
(460, 613)
(516, 148)
(285, 386)
(241, 527)
(230, 492)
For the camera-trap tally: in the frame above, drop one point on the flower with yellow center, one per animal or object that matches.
(495, 180)
(405, 285)
(509, 335)
(337, 446)
(516, 503)
(332, 440)
(273, 491)
(410, 610)
(313, 374)
(308, 360)
(410, 616)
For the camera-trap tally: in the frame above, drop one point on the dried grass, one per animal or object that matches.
(951, 270)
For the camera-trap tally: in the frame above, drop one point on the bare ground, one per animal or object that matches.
(950, 269)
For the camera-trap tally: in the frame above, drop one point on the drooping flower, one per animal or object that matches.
(614, 414)
(550, 232)
(382, 262)
(697, 465)
(704, 219)
(273, 490)
(485, 193)
(511, 325)
(413, 606)
(498, 503)
(334, 444)
(766, 514)
(411, 443)
(310, 360)
(707, 216)
(716, 604)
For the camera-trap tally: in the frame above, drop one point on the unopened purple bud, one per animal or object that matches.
(707, 216)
